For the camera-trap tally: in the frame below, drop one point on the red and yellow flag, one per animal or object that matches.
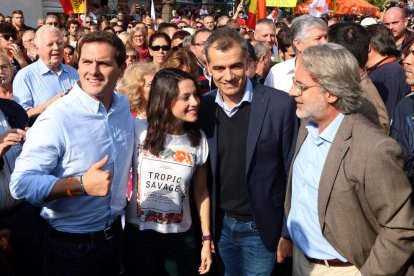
(257, 11)
(73, 6)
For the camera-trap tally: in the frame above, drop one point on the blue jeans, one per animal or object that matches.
(242, 251)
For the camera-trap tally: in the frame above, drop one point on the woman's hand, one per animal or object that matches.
(206, 258)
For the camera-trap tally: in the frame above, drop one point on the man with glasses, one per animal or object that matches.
(198, 41)
(29, 45)
(44, 81)
(208, 22)
(8, 45)
(348, 201)
(395, 20)
(53, 20)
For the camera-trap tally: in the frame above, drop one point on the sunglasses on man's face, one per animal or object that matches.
(178, 47)
(156, 48)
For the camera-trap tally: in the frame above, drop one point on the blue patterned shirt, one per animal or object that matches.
(36, 83)
(72, 134)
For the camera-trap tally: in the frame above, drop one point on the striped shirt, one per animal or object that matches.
(36, 83)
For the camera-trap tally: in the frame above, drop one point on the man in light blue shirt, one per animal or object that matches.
(348, 200)
(76, 162)
(45, 80)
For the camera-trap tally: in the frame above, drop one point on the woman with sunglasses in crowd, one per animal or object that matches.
(138, 40)
(160, 46)
(172, 153)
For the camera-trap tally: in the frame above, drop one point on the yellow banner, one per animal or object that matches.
(78, 6)
(281, 3)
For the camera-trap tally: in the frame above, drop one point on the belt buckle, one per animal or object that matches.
(109, 234)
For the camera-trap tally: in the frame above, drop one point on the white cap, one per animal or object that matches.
(368, 21)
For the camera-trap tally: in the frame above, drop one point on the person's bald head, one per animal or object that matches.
(394, 19)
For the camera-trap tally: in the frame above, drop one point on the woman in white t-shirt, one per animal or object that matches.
(172, 153)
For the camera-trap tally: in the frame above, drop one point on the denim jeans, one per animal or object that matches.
(242, 251)
(77, 258)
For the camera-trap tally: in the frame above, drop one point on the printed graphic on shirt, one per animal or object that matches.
(163, 182)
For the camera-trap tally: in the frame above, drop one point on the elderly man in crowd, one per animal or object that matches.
(306, 31)
(45, 80)
(348, 202)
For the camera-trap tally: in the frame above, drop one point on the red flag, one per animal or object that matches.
(73, 6)
(257, 11)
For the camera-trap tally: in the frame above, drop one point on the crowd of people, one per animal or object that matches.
(134, 146)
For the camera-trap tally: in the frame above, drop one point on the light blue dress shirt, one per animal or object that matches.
(36, 83)
(72, 134)
(247, 97)
(303, 220)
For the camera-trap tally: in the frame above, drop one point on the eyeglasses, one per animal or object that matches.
(300, 88)
(158, 47)
(131, 56)
(52, 23)
(178, 47)
(8, 36)
(129, 27)
(88, 22)
(202, 44)
(118, 32)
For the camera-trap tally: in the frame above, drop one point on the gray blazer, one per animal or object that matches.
(364, 204)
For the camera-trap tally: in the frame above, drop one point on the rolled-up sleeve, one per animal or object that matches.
(34, 174)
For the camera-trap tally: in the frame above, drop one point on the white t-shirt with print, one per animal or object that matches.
(163, 182)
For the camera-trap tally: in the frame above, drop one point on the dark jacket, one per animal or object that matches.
(271, 137)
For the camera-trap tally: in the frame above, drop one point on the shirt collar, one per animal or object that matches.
(328, 134)
(43, 69)
(247, 96)
(90, 103)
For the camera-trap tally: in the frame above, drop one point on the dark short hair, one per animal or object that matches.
(72, 22)
(105, 37)
(201, 30)
(284, 40)
(164, 26)
(17, 12)
(180, 34)
(7, 28)
(160, 35)
(382, 39)
(353, 37)
(225, 39)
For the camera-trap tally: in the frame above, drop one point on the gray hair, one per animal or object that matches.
(259, 48)
(25, 33)
(46, 29)
(265, 22)
(225, 39)
(302, 25)
(337, 72)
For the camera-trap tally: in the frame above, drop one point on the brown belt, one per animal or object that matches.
(334, 262)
